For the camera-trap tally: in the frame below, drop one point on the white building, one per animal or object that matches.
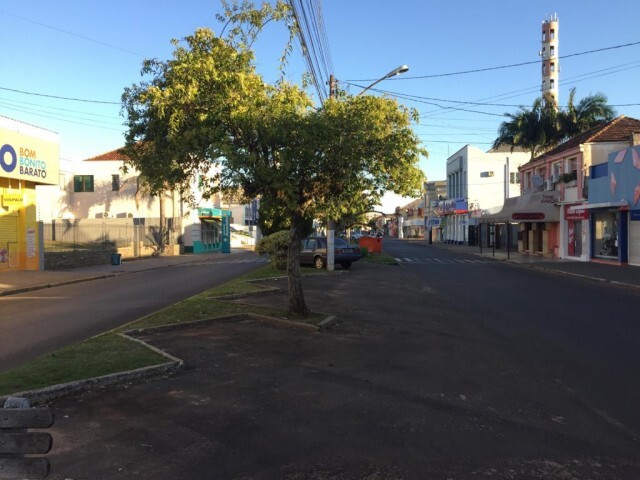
(477, 182)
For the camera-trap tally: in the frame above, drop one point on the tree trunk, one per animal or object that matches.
(163, 220)
(297, 305)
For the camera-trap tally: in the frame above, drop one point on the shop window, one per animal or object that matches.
(83, 183)
(598, 171)
(606, 234)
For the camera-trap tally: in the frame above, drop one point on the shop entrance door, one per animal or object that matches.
(8, 241)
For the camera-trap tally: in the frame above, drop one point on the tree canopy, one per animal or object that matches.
(207, 112)
(543, 126)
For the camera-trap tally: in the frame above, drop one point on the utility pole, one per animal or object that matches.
(330, 222)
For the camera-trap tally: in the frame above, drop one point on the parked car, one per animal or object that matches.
(314, 252)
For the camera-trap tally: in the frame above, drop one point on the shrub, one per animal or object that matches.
(364, 251)
(276, 247)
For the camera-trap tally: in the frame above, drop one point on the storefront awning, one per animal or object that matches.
(618, 204)
(534, 207)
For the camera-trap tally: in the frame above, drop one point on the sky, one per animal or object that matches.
(64, 64)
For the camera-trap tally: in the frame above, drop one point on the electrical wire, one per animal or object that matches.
(501, 67)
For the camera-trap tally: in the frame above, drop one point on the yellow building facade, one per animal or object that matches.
(29, 156)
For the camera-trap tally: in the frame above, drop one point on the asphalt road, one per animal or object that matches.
(38, 322)
(442, 368)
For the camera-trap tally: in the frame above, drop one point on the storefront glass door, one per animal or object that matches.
(606, 235)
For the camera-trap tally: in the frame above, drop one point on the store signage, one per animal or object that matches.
(433, 222)
(528, 216)
(28, 158)
(12, 200)
(576, 213)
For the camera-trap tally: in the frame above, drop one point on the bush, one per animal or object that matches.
(364, 251)
(276, 247)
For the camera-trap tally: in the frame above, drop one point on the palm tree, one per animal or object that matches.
(544, 126)
(589, 112)
(535, 129)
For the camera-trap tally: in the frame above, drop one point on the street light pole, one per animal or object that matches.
(332, 94)
(392, 73)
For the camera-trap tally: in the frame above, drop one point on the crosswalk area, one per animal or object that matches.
(444, 261)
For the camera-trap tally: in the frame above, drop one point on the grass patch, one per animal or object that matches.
(102, 355)
(110, 353)
(380, 258)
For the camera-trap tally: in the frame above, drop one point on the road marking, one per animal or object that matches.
(445, 261)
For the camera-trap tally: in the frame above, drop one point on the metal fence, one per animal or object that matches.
(107, 234)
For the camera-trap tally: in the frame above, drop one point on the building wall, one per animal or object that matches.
(28, 156)
(482, 180)
(105, 202)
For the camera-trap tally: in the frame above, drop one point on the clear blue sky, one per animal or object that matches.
(92, 50)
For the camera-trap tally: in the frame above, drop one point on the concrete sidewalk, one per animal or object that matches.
(24, 281)
(625, 275)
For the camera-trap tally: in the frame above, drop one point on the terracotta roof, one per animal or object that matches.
(617, 130)
(113, 155)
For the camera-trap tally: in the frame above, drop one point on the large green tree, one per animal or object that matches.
(207, 112)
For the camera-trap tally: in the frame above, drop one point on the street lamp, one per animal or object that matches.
(392, 73)
(330, 223)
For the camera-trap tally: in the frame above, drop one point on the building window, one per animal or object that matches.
(552, 34)
(553, 67)
(606, 234)
(115, 183)
(552, 51)
(83, 183)
(552, 84)
(514, 178)
(600, 170)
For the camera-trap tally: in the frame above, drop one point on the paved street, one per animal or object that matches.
(39, 321)
(447, 369)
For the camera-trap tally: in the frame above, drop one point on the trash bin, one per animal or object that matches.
(116, 259)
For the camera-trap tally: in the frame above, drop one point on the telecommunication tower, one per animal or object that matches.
(550, 59)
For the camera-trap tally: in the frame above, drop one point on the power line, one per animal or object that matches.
(512, 65)
(67, 32)
(59, 97)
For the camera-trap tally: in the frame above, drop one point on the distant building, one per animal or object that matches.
(477, 182)
(555, 216)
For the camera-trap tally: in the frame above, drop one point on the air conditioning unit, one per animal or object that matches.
(105, 214)
(548, 184)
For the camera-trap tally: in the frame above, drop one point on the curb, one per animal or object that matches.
(46, 394)
(44, 286)
(53, 392)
